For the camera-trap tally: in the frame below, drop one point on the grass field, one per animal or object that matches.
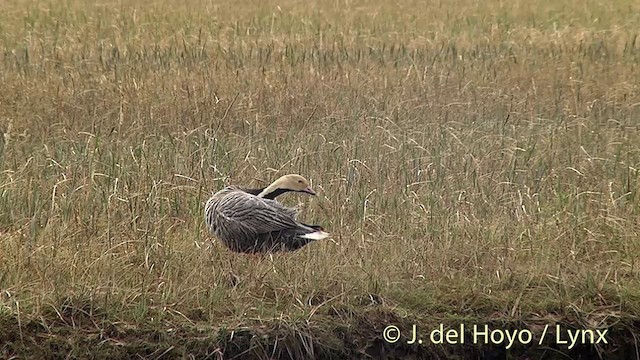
(475, 161)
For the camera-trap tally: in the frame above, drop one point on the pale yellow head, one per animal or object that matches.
(294, 182)
(290, 182)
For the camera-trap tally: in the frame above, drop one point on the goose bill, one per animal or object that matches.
(309, 191)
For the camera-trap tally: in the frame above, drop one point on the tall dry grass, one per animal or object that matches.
(477, 158)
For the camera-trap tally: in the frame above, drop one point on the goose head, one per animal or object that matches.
(291, 182)
(295, 182)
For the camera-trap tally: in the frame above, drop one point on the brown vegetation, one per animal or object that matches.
(476, 161)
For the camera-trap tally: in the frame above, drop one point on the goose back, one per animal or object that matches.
(247, 223)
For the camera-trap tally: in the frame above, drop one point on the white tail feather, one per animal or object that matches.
(318, 235)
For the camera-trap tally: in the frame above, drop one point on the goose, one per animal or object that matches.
(252, 221)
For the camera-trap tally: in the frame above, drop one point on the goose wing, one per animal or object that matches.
(293, 213)
(253, 215)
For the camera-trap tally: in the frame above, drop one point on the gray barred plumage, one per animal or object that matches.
(250, 221)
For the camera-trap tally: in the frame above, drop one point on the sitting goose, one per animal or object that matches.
(251, 221)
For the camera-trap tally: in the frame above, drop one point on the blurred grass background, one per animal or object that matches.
(472, 158)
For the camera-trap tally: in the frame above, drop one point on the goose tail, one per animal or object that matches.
(316, 235)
